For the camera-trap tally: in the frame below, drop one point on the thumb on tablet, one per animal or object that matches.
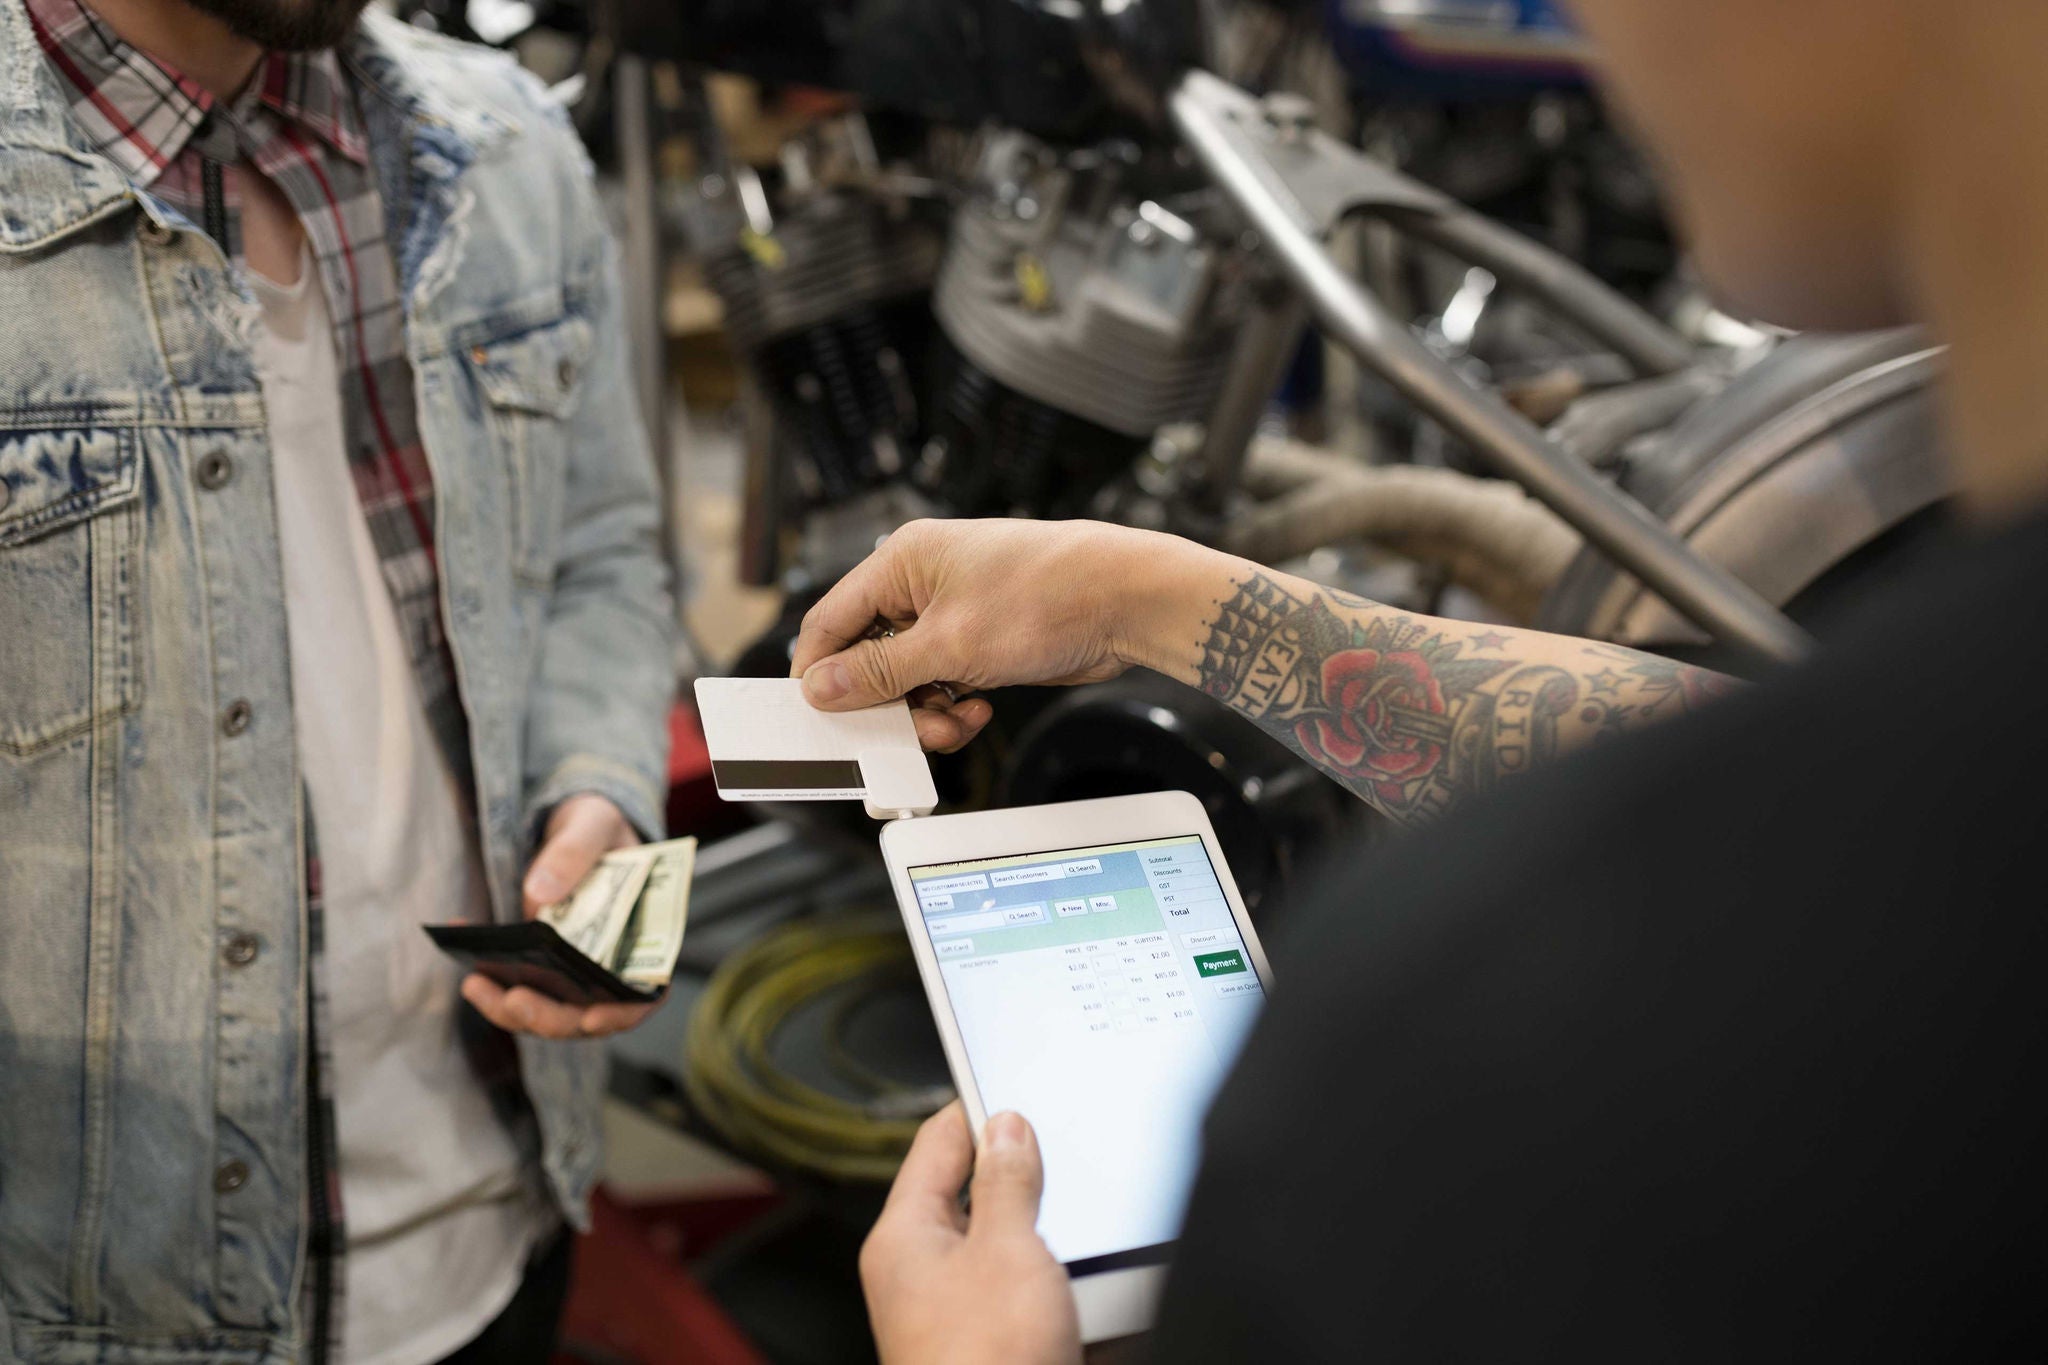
(1008, 1176)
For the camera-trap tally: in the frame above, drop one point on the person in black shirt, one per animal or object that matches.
(1691, 1040)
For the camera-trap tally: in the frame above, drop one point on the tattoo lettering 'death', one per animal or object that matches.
(1413, 714)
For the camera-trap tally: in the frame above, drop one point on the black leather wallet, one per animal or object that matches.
(533, 954)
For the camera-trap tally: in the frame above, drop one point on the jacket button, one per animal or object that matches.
(154, 233)
(230, 1177)
(566, 372)
(236, 718)
(216, 468)
(241, 950)
(478, 354)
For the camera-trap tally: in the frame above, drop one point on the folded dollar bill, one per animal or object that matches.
(615, 937)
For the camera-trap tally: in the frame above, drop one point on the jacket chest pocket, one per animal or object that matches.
(531, 381)
(70, 527)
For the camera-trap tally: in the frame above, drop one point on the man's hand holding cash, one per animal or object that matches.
(582, 830)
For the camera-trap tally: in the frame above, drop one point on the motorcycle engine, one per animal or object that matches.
(1082, 306)
(823, 284)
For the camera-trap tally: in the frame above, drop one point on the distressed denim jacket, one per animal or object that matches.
(149, 792)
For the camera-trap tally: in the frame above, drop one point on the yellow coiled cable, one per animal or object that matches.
(733, 1080)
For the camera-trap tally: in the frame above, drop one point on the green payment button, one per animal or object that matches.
(1219, 964)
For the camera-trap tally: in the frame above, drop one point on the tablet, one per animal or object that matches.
(1090, 966)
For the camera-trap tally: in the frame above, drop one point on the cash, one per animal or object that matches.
(627, 913)
(656, 933)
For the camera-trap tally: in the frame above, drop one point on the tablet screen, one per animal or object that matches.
(1101, 993)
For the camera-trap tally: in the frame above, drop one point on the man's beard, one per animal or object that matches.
(287, 25)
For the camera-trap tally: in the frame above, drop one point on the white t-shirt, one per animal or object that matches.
(440, 1210)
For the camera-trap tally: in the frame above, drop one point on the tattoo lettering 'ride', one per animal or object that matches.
(1401, 710)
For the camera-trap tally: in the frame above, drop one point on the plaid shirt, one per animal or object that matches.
(298, 126)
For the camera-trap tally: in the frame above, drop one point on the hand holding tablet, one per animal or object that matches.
(1109, 1030)
(1089, 966)
(941, 1288)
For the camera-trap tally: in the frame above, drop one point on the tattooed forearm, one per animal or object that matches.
(1414, 713)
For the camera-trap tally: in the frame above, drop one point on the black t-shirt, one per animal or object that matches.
(1723, 1042)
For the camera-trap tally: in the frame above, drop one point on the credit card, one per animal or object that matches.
(768, 744)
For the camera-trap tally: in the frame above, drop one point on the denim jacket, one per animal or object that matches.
(149, 791)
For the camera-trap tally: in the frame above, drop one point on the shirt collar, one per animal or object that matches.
(142, 113)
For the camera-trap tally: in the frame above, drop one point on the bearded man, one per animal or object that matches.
(331, 604)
